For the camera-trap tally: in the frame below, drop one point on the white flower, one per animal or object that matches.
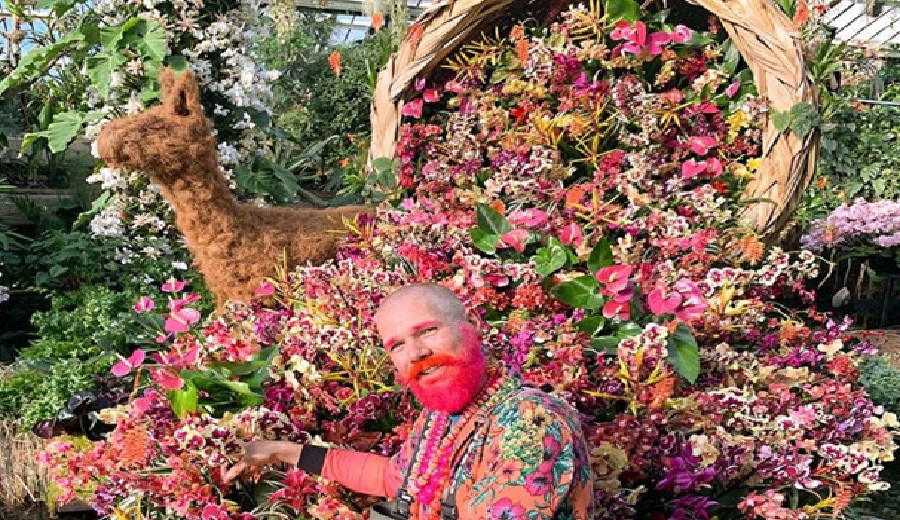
(179, 265)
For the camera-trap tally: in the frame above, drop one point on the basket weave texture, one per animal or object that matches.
(767, 39)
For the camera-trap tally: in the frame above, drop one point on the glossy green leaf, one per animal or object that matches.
(601, 256)
(684, 354)
(582, 292)
(550, 259)
(490, 221)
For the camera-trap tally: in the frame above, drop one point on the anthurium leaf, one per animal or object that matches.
(486, 242)
(601, 256)
(684, 354)
(490, 221)
(184, 400)
(591, 325)
(582, 292)
(606, 344)
(622, 10)
(550, 259)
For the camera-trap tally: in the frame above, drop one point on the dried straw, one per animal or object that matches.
(766, 38)
(22, 480)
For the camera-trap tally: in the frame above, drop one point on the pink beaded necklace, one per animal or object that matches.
(432, 467)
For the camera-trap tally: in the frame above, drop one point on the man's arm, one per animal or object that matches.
(366, 473)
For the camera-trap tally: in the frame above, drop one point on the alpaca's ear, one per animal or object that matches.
(186, 99)
(166, 83)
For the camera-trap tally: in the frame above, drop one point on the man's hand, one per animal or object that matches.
(264, 453)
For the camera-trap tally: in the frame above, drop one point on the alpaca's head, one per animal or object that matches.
(166, 142)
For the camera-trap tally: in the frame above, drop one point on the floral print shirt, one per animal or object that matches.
(523, 458)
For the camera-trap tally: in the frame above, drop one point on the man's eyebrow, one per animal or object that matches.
(415, 329)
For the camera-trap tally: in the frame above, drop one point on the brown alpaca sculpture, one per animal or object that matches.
(235, 245)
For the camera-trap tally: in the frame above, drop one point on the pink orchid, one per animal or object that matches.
(413, 108)
(181, 320)
(692, 168)
(143, 403)
(528, 217)
(733, 89)
(701, 144)
(681, 34)
(144, 304)
(618, 309)
(662, 301)
(614, 278)
(166, 379)
(515, 239)
(124, 366)
(173, 286)
(419, 84)
(639, 42)
(265, 289)
(431, 95)
(714, 166)
(571, 234)
(214, 512)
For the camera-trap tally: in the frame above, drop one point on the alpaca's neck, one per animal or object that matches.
(203, 203)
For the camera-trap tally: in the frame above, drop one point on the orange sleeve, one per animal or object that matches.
(366, 473)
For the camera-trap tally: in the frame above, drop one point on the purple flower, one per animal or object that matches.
(683, 472)
(691, 508)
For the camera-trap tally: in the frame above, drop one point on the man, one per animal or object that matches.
(484, 447)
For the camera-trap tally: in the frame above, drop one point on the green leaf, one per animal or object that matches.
(490, 221)
(486, 242)
(601, 256)
(582, 292)
(591, 325)
(606, 344)
(782, 120)
(100, 69)
(38, 59)
(177, 63)
(110, 37)
(622, 10)
(549, 259)
(184, 400)
(684, 354)
(153, 45)
(64, 128)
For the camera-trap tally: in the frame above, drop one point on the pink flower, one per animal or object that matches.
(515, 239)
(124, 366)
(143, 403)
(681, 34)
(537, 483)
(506, 509)
(420, 84)
(571, 235)
(733, 89)
(265, 289)
(714, 166)
(614, 278)
(214, 512)
(413, 108)
(614, 308)
(639, 43)
(431, 95)
(661, 301)
(528, 217)
(701, 144)
(181, 320)
(692, 167)
(166, 379)
(173, 286)
(144, 304)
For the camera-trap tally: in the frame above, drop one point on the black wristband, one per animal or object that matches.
(312, 459)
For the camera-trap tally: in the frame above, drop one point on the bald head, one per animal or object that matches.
(440, 300)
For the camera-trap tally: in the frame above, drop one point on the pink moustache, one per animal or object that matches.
(460, 381)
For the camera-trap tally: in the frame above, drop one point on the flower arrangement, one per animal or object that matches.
(859, 229)
(576, 186)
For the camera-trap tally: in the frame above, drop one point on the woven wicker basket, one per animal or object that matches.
(766, 38)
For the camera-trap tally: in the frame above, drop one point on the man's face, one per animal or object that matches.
(441, 361)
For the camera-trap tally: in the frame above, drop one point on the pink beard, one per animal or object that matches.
(461, 381)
